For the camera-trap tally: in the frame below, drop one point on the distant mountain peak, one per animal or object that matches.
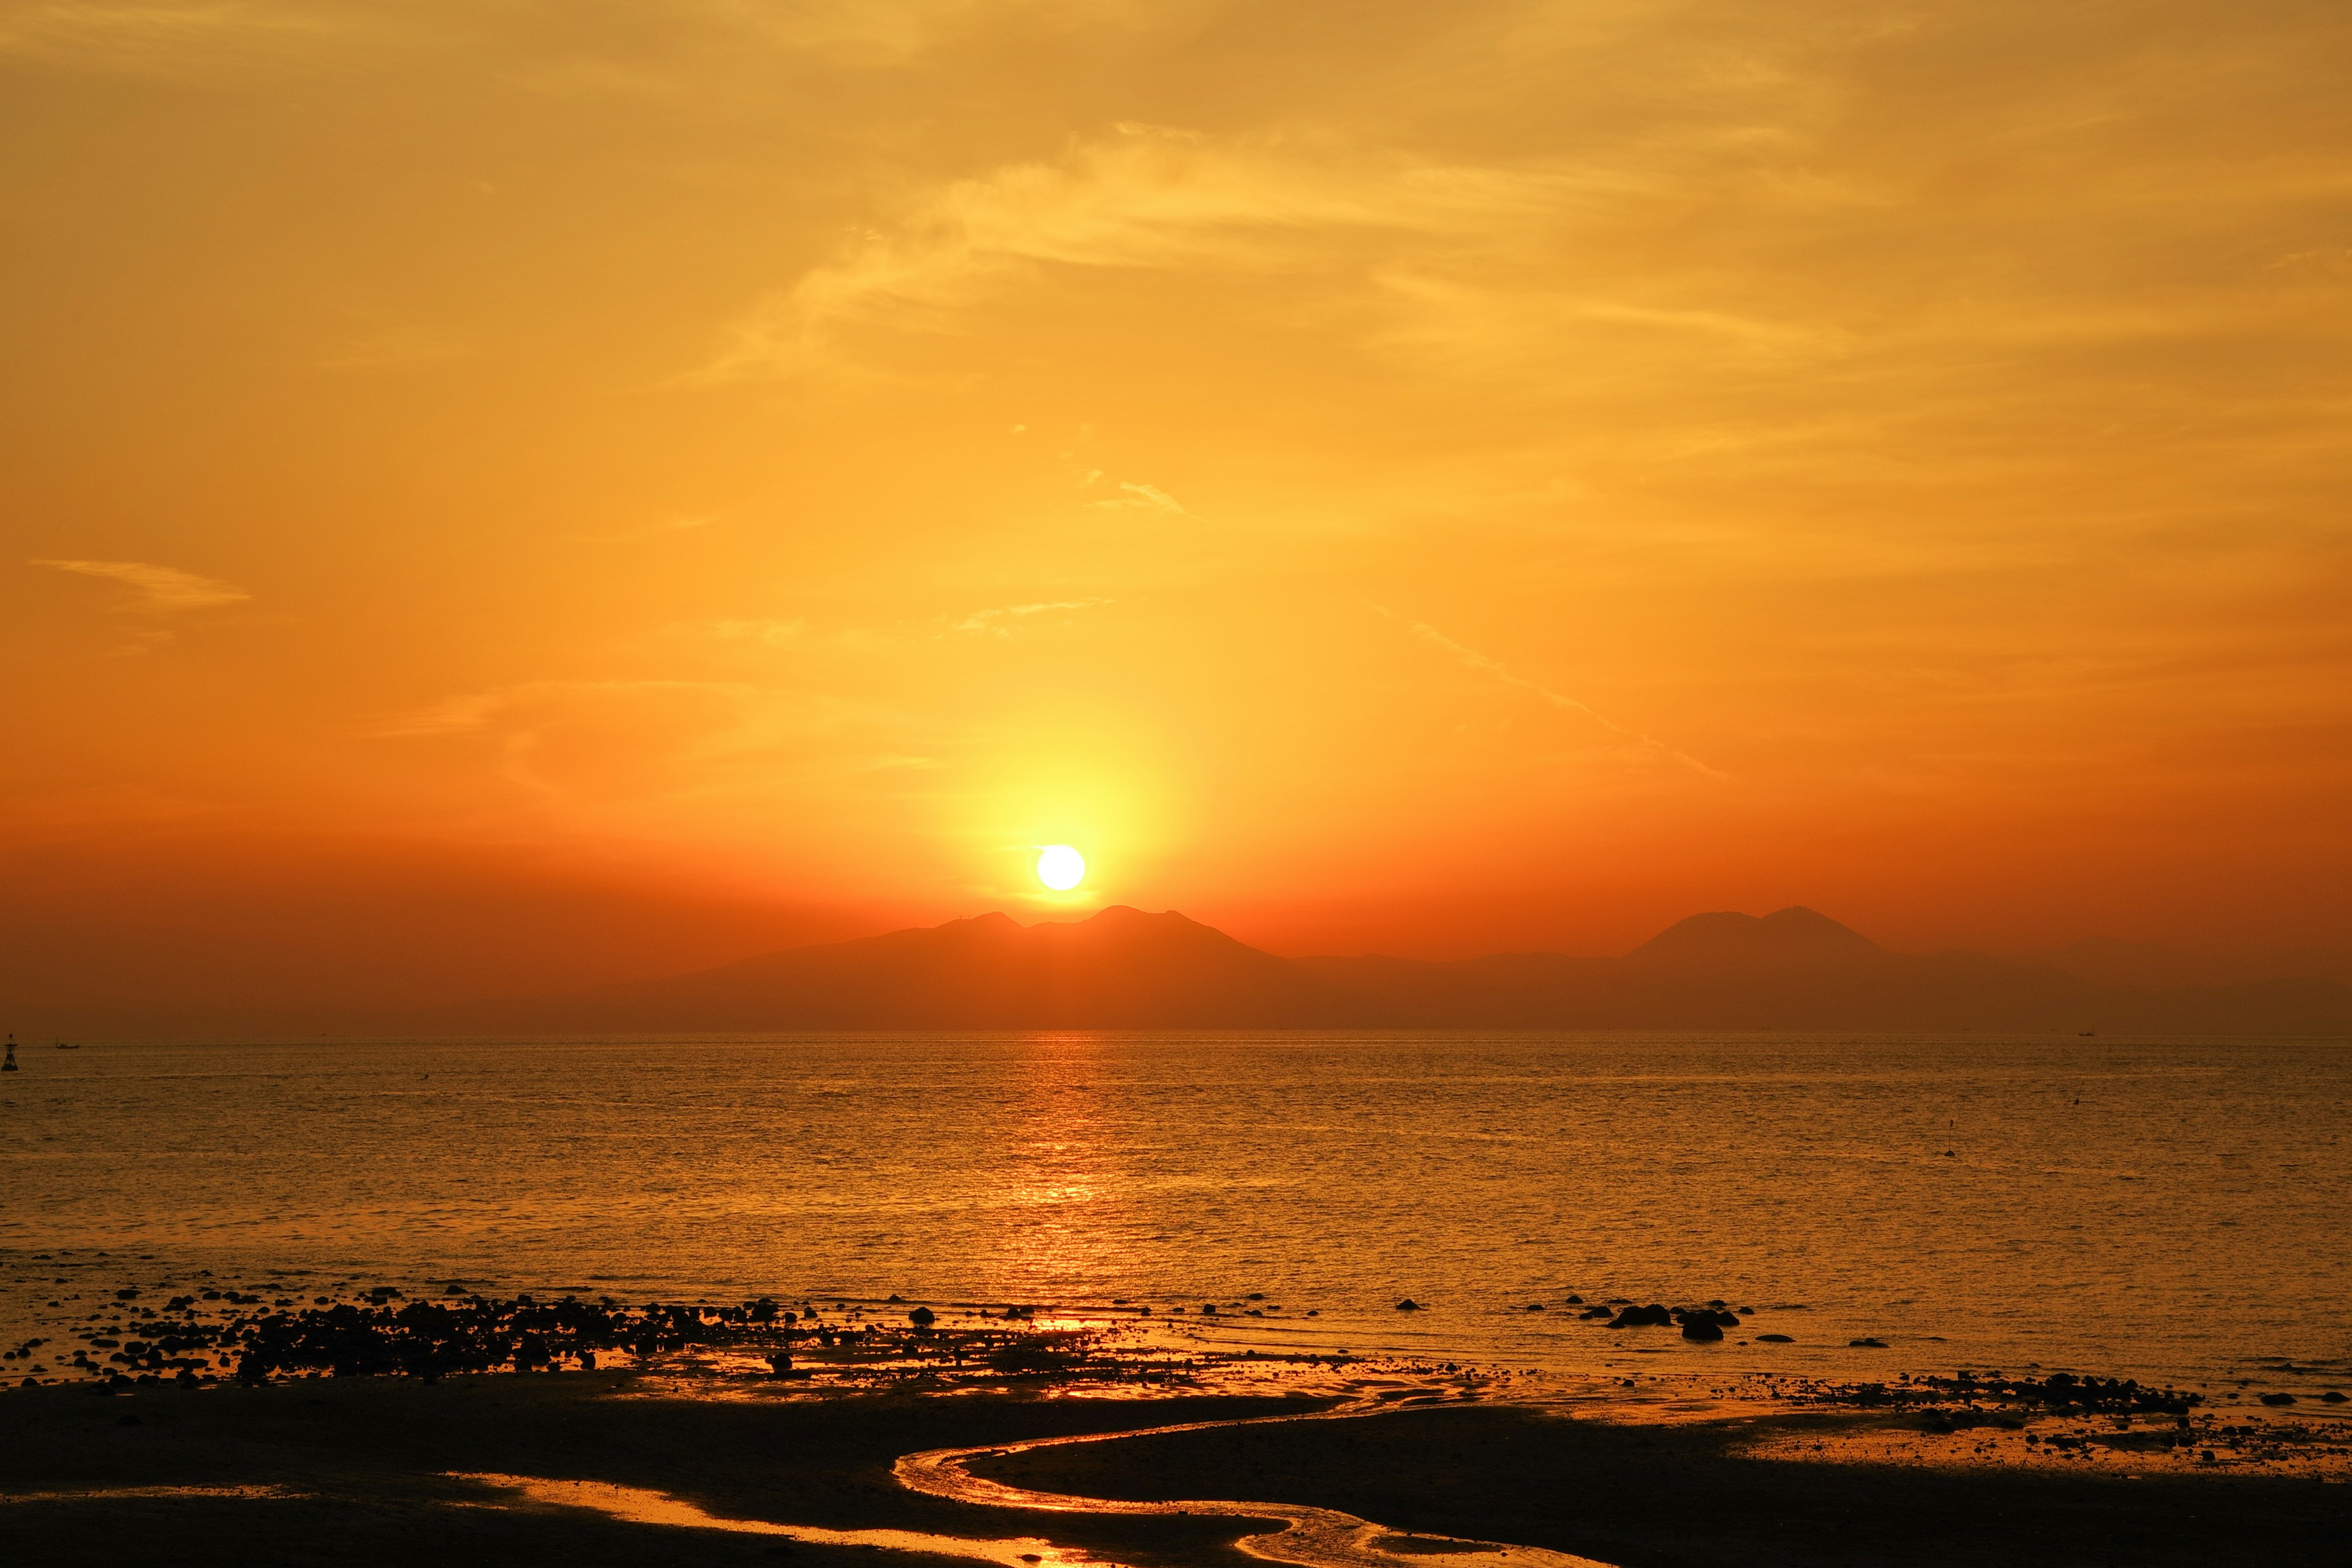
(1123, 914)
(1121, 967)
(1795, 933)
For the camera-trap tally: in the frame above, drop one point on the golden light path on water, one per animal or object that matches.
(1304, 1185)
(1305, 1536)
(1060, 1182)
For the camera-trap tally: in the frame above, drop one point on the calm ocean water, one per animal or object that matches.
(2164, 1209)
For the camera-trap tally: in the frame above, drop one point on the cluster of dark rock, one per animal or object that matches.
(2064, 1391)
(384, 1334)
(2060, 1393)
(431, 1340)
(1705, 1325)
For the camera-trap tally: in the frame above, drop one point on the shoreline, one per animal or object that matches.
(812, 1427)
(1598, 1475)
(33, 1320)
(835, 1429)
(205, 1338)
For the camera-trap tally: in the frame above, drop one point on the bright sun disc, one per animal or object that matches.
(1061, 868)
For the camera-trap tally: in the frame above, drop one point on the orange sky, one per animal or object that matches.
(501, 493)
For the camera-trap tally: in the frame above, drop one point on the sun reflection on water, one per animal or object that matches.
(1063, 1229)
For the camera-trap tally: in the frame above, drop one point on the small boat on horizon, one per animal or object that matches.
(9, 1064)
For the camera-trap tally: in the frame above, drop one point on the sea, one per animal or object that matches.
(2173, 1210)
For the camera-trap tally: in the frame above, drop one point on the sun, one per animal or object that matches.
(1061, 868)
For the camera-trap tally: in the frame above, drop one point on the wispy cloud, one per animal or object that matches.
(667, 527)
(1486, 664)
(536, 699)
(998, 622)
(186, 37)
(1146, 197)
(767, 632)
(1141, 498)
(160, 589)
(158, 593)
(593, 743)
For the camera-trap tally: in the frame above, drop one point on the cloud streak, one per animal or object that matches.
(1141, 498)
(1145, 196)
(1486, 664)
(187, 38)
(160, 589)
(995, 622)
(766, 632)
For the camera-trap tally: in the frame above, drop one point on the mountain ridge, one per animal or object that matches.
(1126, 968)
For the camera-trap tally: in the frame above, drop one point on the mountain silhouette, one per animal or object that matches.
(1793, 935)
(1123, 968)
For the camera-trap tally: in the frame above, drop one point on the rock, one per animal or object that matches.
(2333, 1396)
(1576, 1300)
(1408, 1305)
(1653, 1315)
(2278, 1399)
(1872, 1345)
(1774, 1339)
(1705, 1330)
(922, 1317)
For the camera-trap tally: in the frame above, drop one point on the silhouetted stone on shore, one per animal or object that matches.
(378, 1335)
(1653, 1316)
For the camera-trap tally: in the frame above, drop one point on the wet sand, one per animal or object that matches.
(622, 1468)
